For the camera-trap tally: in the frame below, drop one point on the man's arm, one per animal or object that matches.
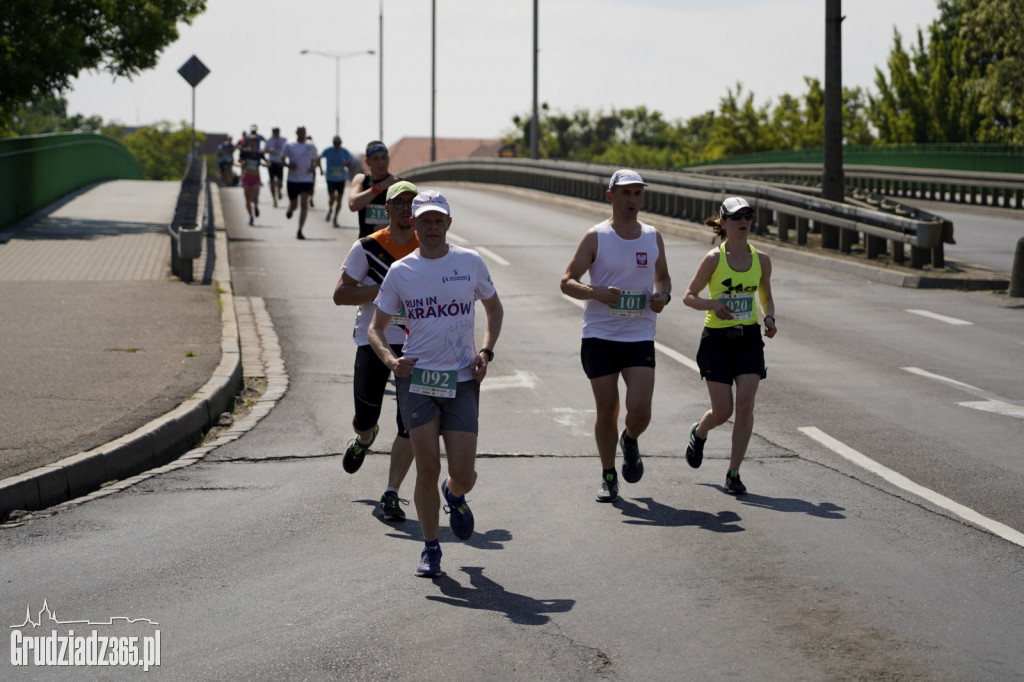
(378, 338)
(572, 281)
(492, 329)
(348, 291)
(662, 279)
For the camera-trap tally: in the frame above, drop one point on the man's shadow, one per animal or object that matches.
(657, 514)
(823, 510)
(485, 594)
(410, 530)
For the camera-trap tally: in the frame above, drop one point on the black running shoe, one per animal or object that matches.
(609, 491)
(733, 484)
(391, 506)
(632, 465)
(430, 563)
(356, 452)
(256, 210)
(460, 517)
(695, 448)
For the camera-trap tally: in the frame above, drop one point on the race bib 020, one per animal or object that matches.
(740, 305)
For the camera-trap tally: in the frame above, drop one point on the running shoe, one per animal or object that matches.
(288, 214)
(460, 517)
(356, 452)
(327, 218)
(430, 563)
(250, 220)
(609, 491)
(632, 465)
(256, 210)
(695, 448)
(733, 484)
(390, 506)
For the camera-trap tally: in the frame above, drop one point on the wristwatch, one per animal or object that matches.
(488, 353)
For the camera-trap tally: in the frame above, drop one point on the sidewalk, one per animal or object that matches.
(100, 341)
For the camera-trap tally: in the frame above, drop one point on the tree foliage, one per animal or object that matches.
(162, 151)
(961, 80)
(46, 43)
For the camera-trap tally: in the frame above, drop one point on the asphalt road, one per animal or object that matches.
(265, 560)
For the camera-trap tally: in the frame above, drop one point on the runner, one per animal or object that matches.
(339, 163)
(274, 147)
(301, 158)
(364, 269)
(629, 284)
(438, 378)
(368, 189)
(250, 159)
(226, 161)
(731, 347)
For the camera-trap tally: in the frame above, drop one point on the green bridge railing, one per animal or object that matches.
(38, 170)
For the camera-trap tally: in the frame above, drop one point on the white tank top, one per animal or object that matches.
(629, 265)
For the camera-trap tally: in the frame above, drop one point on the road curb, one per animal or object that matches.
(158, 442)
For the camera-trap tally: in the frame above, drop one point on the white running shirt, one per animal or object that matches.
(439, 297)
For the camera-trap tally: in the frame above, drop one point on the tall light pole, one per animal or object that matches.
(433, 80)
(337, 57)
(380, 74)
(534, 120)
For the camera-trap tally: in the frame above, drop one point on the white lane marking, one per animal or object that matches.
(461, 241)
(520, 379)
(900, 481)
(940, 318)
(990, 402)
(675, 355)
(493, 256)
(995, 406)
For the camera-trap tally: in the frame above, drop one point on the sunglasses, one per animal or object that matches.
(741, 216)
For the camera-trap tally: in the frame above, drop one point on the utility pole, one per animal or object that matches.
(833, 184)
(534, 122)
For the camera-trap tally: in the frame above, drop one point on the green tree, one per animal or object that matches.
(46, 43)
(162, 152)
(46, 115)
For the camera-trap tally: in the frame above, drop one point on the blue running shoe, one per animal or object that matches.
(460, 517)
(430, 563)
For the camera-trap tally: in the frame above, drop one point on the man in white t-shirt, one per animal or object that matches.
(438, 376)
(629, 284)
(301, 159)
(274, 146)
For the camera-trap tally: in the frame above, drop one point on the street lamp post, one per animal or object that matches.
(337, 57)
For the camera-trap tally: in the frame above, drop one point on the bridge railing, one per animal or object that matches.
(186, 228)
(37, 170)
(695, 196)
(1005, 190)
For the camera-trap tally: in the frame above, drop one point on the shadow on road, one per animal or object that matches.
(657, 514)
(823, 510)
(485, 594)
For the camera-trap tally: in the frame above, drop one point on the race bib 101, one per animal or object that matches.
(630, 304)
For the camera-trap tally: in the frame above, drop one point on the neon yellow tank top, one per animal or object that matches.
(738, 290)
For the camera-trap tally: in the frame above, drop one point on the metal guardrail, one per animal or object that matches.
(1004, 190)
(186, 228)
(694, 196)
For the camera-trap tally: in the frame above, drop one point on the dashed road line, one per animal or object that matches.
(900, 481)
(941, 318)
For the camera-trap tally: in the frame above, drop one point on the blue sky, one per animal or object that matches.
(675, 56)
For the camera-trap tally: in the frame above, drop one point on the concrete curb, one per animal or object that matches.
(158, 442)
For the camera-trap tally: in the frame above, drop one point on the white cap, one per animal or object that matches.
(430, 200)
(626, 177)
(731, 205)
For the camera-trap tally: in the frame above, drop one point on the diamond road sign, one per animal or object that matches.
(193, 71)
